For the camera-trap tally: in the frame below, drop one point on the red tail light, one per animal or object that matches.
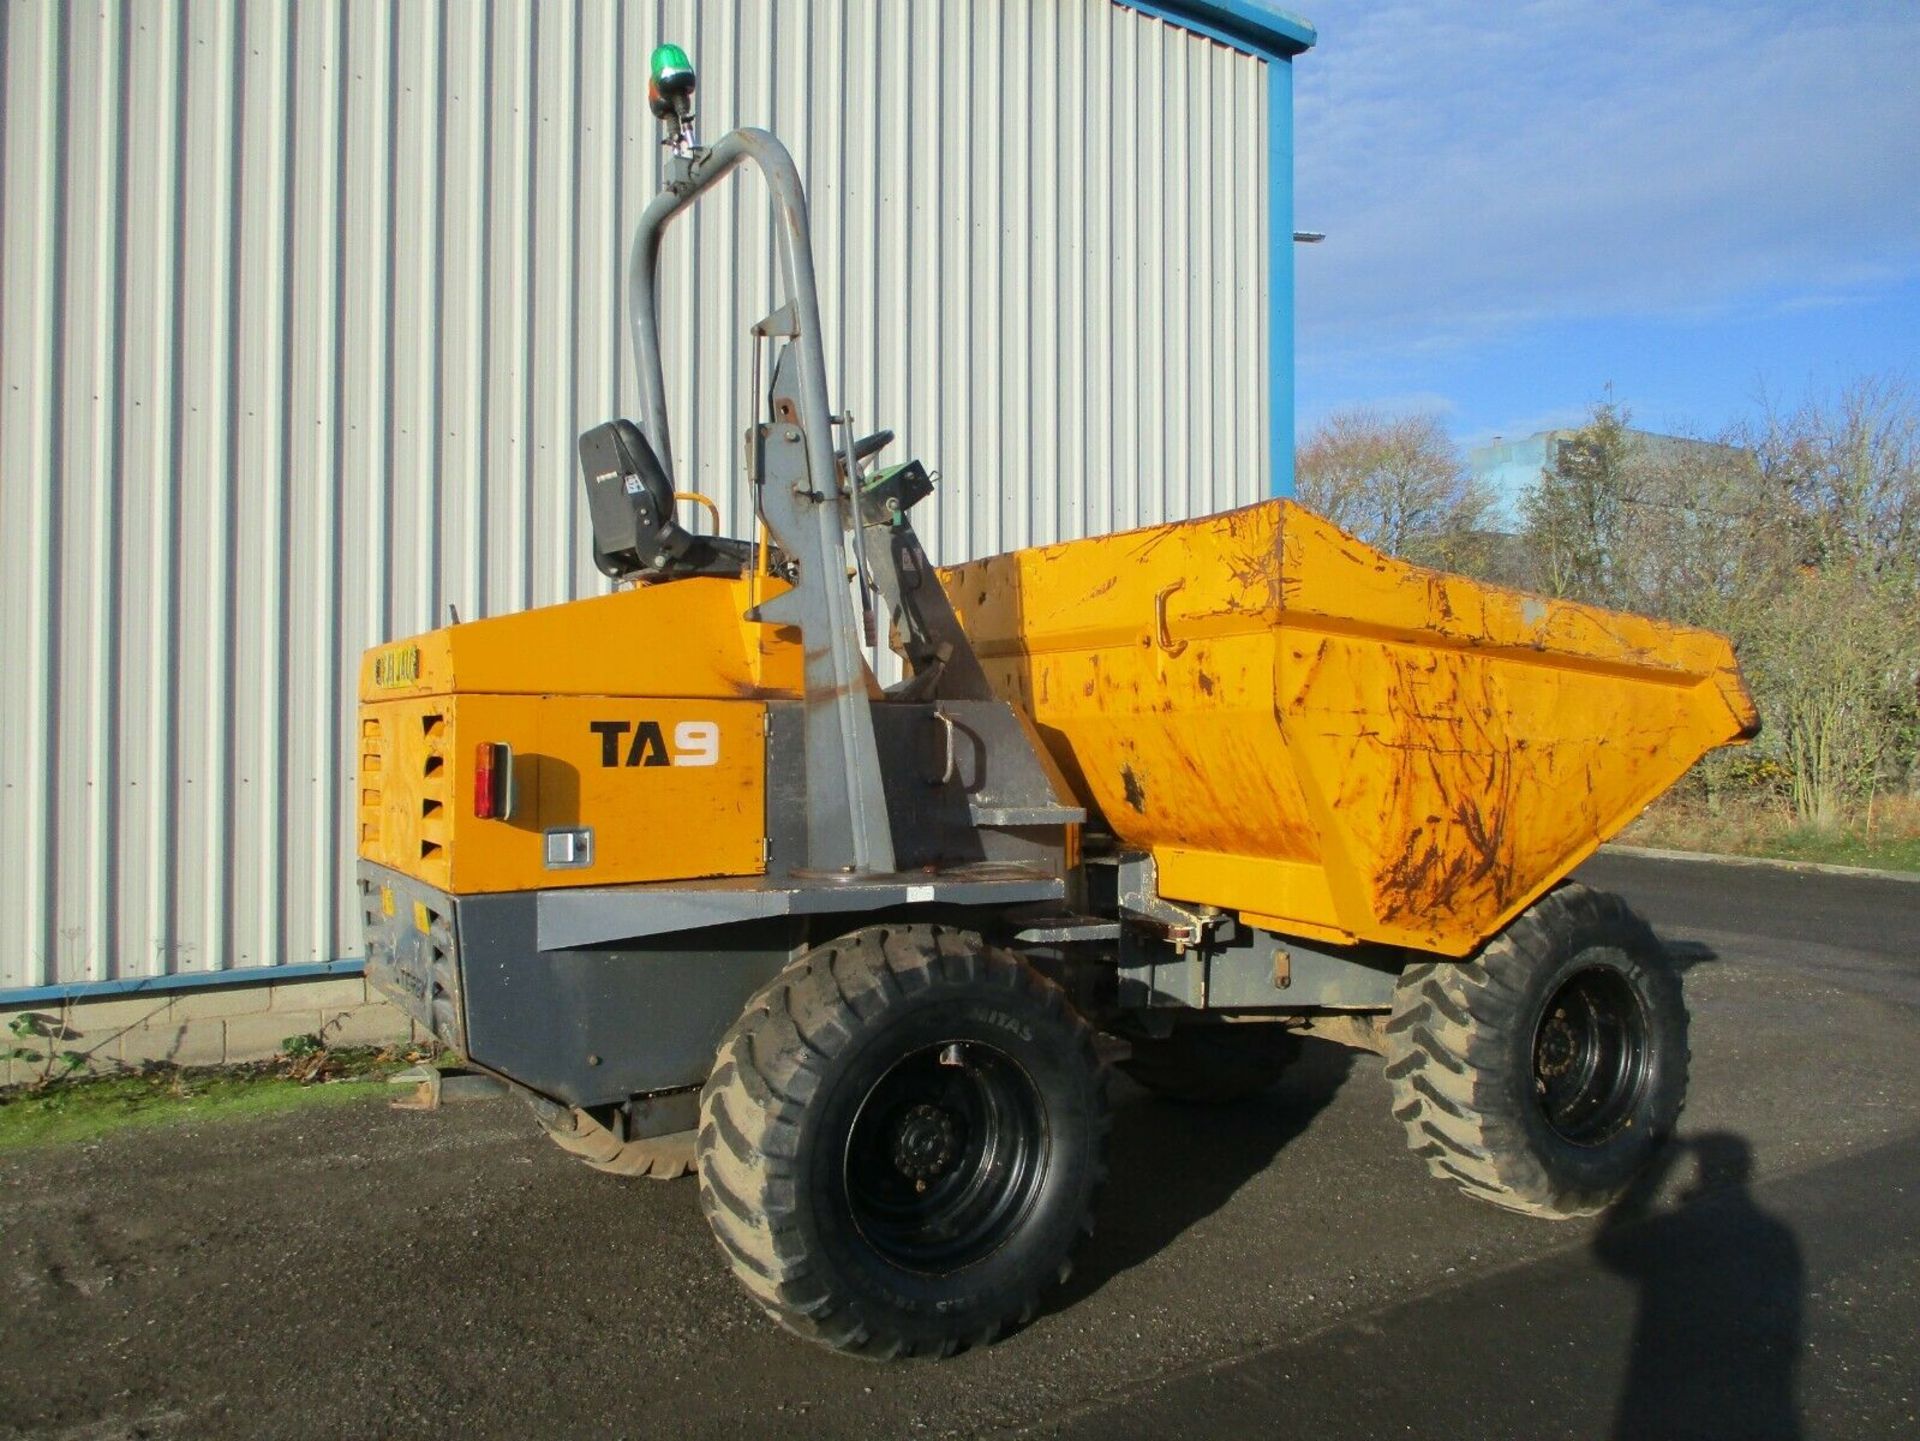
(493, 781)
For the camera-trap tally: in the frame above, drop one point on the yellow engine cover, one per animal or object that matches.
(639, 716)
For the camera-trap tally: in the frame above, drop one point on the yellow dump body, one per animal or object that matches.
(1334, 743)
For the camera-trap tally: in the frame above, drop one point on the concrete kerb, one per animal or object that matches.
(1764, 862)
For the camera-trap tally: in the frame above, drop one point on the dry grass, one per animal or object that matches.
(1885, 838)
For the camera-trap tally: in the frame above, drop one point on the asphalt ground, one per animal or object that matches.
(1282, 1267)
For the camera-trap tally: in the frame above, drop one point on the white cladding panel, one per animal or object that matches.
(303, 306)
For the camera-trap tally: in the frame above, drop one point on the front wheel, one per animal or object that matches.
(901, 1142)
(1545, 1073)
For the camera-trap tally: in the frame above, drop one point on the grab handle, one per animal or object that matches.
(1161, 635)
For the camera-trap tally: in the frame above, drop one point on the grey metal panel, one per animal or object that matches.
(584, 1026)
(417, 967)
(1255, 970)
(301, 308)
(968, 784)
(590, 1026)
(1281, 971)
(583, 916)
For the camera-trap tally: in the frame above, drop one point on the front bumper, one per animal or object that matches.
(413, 951)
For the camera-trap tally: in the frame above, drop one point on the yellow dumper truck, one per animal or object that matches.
(672, 863)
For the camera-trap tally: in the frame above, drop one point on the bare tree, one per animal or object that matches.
(1834, 659)
(1835, 653)
(1397, 483)
(1703, 536)
(1851, 466)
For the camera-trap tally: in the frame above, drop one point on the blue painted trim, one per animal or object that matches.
(1250, 25)
(184, 981)
(1275, 37)
(1280, 277)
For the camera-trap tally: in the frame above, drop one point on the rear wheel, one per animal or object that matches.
(1544, 1074)
(658, 1158)
(902, 1140)
(1212, 1062)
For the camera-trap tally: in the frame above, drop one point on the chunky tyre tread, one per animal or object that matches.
(771, 1064)
(1444, 1043)
(657, 1158)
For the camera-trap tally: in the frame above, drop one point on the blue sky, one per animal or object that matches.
(1528, 201)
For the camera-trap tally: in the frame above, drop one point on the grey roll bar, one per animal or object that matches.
(798, 495)
(686, 180)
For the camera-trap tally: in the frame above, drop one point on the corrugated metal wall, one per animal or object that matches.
(302, 306)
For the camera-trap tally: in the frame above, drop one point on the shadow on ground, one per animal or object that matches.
(1174, 1164)
(1688, 954)
(1719, 1293)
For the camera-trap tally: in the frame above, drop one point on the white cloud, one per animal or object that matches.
(1479, 168)
(1398, 404)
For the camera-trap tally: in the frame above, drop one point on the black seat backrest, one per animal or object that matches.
(629, 501)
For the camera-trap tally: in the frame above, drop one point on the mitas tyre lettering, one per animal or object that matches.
(902, 1141)
(1004, 1021)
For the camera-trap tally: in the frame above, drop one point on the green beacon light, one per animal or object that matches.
(670, 85)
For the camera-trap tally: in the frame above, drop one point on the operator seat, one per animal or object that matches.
(631, 506)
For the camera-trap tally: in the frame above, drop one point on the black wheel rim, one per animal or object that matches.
(946, 1155)
(1592, 1056)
